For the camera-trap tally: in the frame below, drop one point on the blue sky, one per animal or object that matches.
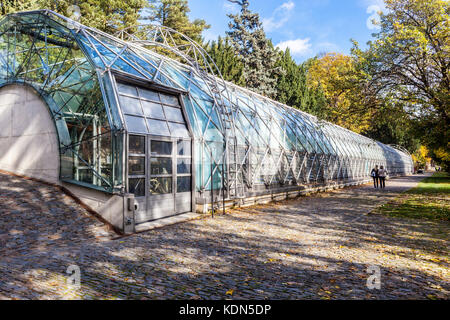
(307, 27)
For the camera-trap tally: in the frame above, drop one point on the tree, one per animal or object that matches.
(390, 124)
(105, 15)
(289, 83)
(256, 51)
(174, 14)
(11, 6)
(421, 156)
(229, 64)
(344, 86)
(410, 60)
(292, 86)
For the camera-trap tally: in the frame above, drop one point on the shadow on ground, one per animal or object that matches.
(310, 248)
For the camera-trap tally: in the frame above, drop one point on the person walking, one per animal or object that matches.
(382, 173)
(374, 174)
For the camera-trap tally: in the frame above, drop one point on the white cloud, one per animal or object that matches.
(368, 3)
(229, 7)
(327, 47)
(373, 9)
(279, 17)
(298, 47)
(373, 20)
(288, 5)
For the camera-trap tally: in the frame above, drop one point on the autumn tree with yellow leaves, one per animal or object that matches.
(344, 86)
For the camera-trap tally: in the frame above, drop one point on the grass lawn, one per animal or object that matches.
(429, 200)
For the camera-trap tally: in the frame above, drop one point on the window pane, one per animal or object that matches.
(153, 110)
(184, 148)
(183, 166)
(150, 95)
(136, 144)
(160, 166)
(158, 128)
(124, 88)
(136, 165)
(178, 130)
(85, 175)
(130, 105)
(137, 186)
(173, 114)
(168, 99)
(136, 124)
(183, 184)
(160, 186)
(161, 148)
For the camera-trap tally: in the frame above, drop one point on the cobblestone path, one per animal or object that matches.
(316, 247)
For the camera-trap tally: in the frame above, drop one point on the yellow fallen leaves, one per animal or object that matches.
(230, 292)
(272, 260)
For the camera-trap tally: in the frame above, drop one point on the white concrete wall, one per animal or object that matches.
(28, 137)
(110, 207)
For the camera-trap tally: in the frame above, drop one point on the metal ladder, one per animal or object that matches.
(231, 186)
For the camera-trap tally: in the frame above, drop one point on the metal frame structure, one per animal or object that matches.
(244, 143)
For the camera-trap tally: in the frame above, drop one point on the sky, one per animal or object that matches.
(307, 27)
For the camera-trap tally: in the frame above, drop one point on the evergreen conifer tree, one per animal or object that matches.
(174, 14)
(293, 89)
(226, 59)
(256, 51)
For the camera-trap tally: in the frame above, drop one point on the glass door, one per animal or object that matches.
(161, 186)
(159, 152)
(137, 163)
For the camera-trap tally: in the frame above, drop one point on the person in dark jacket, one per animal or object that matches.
(374, 174)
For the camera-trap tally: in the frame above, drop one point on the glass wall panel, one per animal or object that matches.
(158, 127)
(153, 110)
(136, 145)
(183, 166)
(178, 130)
(160, 186)
(148, 94)
(136, 124)
(136, 165)
(131, 105)
(169, 99)
(161, 148)
(137, 186)
(161, 166)
(183, 184)
(127, 89)
(184, 148)
(173, 114)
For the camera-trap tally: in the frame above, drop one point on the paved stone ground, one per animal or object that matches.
(316, 247)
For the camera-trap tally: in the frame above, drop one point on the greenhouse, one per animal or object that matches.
(139, 117)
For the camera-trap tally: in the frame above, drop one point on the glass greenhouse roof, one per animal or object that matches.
(249, 139)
